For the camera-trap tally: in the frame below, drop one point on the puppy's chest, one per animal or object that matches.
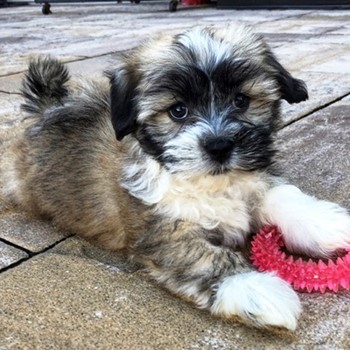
(210, 205)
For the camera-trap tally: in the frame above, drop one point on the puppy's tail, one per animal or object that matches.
(44, 85)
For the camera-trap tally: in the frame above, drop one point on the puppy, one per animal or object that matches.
(173, 162)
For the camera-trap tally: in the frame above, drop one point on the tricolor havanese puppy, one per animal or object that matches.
(173, 162)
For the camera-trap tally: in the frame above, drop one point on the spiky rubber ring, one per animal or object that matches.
(307, 276)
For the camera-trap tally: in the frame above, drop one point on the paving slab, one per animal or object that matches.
(323, 89)
(339, 64)
(301, 55)
(11, 83)
(306, 23)
(76, 296)
(316, 153)
(10, 112)
(31, 234)
(92, 67)
(75, 32)
(10, 255)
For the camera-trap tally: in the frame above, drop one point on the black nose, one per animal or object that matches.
(219, 149)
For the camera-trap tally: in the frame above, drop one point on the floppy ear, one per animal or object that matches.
(292, 90)
(123, 106)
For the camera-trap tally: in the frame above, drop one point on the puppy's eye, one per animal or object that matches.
(242, 101)
(178, 111)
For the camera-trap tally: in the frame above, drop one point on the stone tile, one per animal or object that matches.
(78, 32)
(303, 43)
(305, 23)
(280, 43)
(339, 64)
(316, 153)
(251, 17)
(14, 64)
(323, 88)
(301, 55)
(30, 234)
(10, 255)
(332, 38)
(112, 261)
(68, 299)
(10, 112)
(345, 30)
(274, 38)
(91, 67)
(11, 83)
(338, 18)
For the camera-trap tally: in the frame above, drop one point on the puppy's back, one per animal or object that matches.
(65, 162)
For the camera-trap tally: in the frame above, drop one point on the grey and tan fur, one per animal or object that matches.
(173, 162)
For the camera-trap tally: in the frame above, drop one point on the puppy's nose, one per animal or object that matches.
(219, 149)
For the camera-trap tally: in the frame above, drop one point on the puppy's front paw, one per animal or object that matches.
(309, 225)
(260, 299)
(329, 227)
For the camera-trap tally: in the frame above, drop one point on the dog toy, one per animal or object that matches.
(268, 253)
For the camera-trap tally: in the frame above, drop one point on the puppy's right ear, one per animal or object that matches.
(292, 90)
(123, 101)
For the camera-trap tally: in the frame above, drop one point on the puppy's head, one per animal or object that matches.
(203, 102)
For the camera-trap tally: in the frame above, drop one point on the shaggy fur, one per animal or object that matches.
(173, 162)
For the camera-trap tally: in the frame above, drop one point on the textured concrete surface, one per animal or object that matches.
(63, 293)
(30, 234)
(78, 297)
(10, 255)
(9, 111)
(316, 152)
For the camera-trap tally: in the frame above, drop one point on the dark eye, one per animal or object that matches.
(178, 111)
(242, 101)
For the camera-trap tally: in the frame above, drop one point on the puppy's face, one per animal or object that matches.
(203, 102)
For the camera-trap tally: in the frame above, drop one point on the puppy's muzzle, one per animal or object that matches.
(219, 149)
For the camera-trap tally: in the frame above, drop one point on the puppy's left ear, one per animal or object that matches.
(292, 90)
(123, 84)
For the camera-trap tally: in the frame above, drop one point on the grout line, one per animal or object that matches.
(30, 254)
(10, 93)
(316, 110)
(14, 245)
(82, 58)
(296, 16)
(54, 244)
(14, 264)
(23, 71)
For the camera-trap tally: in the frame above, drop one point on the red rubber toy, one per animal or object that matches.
(308, 276)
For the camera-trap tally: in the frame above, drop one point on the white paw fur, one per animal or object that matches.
(311, 226)
(260, 299)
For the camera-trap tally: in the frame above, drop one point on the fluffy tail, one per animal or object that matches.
(44, 85)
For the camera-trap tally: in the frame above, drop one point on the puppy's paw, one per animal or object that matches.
(261, 299)
(309, 225)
